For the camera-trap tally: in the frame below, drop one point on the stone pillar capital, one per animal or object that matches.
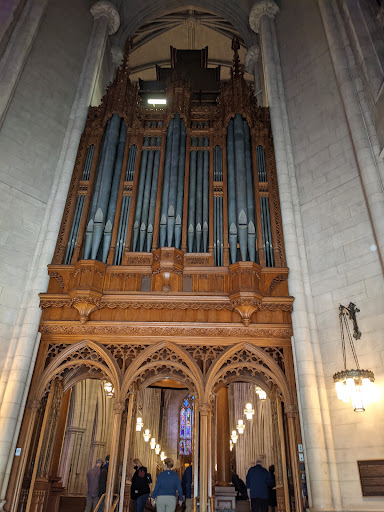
(291, 411)
(261, 7)
(107, 9)
(34, 405)
(205, 409)
(118, 408)
(252, 58)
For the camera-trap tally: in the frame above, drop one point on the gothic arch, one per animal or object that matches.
(160, 360)
(98, 358)
(228, 363)
(149, 10)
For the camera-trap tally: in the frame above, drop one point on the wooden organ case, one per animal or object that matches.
(171, 237)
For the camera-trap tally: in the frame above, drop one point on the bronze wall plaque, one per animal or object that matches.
(371, 477)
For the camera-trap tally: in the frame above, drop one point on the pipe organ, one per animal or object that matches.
(197, 178)
(169, 264)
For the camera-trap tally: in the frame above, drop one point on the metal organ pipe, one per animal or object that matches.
(79, 207)
(92, 211)
(192, 196)
(173, 180)
(114, 192)
(165, 192)
(147, 194)
(250, 194)
(101, 193)
(205, 193)
(241, 204)
(264, 209)
(152, 202)
(105, 185)
(218, 208)
(241, 187)
(125, 207)
(199, 195)
(173, 183)
(140, 193)
(231, 193)
(180, 188)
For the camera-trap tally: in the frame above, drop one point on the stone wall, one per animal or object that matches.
(30, 142)
(340, 245)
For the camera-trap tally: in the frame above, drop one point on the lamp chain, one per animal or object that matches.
(350, 342)
(343, 339)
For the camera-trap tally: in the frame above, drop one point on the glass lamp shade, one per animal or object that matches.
(147, 435)
(139, 424)
(108, 388)
(234, 437)
(230, 444)
(157, 449)
(153, 443)
(356, 386)
(163, 456)
(249, 411)
(240, 426)
(261, 393)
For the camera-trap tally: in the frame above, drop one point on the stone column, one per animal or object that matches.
(128, 430)
(17, 50)
(354, 104)
(21, 357)
(118, 410)
(222, 438)
(262, 21)
(252, 66)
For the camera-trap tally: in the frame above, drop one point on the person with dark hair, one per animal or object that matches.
(240, 487)
(140, 486)
(93, 476)
(103, 482)
(272, 501)
(167, 484)
(258, 481)
(186, 485)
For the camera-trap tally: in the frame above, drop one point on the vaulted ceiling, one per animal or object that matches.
(183, 29)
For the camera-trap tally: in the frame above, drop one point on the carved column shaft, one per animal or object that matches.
(204, 450)
(117, 413)
(127, 443)
(222, 439)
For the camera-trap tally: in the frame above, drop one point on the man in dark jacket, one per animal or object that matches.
(186, 485)
(103, 482)
(140, 487)
(258, 481)
(93, 476)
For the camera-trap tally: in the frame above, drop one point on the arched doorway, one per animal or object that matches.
(273, 430)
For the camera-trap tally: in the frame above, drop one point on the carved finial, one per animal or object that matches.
(125, 62)
(236, 70)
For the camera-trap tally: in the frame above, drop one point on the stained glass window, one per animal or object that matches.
(186, 424)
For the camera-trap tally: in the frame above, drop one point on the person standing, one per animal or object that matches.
(167, 484)
(272, 501)
(103, 482)
(93, 476)
(186, 485)
(258, 481)
(140, 487)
